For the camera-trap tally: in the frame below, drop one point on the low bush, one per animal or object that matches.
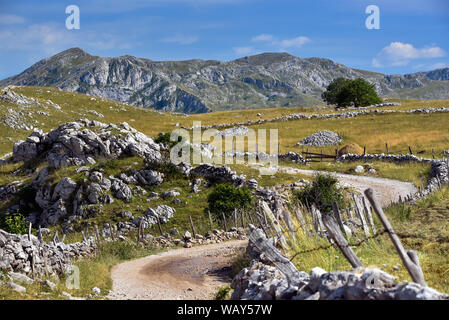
(323, 191)
(14, 223)
(225, 198)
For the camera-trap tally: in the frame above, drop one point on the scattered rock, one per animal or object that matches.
(359, 169)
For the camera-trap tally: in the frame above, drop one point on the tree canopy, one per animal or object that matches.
(346, 92)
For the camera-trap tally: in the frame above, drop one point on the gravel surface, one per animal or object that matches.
(180, 274)
(387, 190)
(196, 273)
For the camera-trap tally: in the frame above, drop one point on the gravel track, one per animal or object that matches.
(181, 274)
(386, 190)
(196, 273)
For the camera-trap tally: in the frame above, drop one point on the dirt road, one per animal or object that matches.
(180, 274)
(386, 190)
(197, 272)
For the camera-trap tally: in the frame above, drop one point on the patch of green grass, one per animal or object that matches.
(428, 221)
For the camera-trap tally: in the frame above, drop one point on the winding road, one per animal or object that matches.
(196, 273)
(386, 190)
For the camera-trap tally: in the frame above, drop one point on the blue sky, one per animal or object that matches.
(413, 34)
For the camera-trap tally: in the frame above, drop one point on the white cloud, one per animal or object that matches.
(243, 50)
(45, 37)
(10, 19)
(399, 54)
(297, 42)
(263, 37)
(181, 39)
(51, 38)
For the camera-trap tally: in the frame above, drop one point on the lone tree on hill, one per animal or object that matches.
(345, 92)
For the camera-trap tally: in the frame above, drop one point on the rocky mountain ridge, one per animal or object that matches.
(198, 86)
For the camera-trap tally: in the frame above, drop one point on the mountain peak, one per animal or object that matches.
(73, 52)
(266, 80)
(265, 58)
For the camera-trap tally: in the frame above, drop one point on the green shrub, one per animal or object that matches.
(323, 191)
(223, 292)
(226, 197)
(165, 139)
(14, 223)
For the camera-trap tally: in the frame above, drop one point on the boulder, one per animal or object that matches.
(82, 142)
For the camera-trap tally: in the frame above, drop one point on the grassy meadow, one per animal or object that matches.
(422, 132)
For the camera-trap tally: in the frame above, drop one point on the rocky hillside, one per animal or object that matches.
(198, 86)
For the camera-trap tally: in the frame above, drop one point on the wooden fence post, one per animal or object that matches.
(40, 234)
(210, 220)
(369, 215)
(285, 266)
(318, 218)
(224, 220)
(339, 239)
(274, 223)
(29, 231)
(349, 214)
(338, 217)
(410, 149)
(409, 257)
(386, 147)
(359, 212)
(300, 218)
(433, 153)
(97, 234)
(193, 227)
(364, 150)
(160, 227)
(288, 221)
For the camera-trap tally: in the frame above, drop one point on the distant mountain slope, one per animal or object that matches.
(198, 86)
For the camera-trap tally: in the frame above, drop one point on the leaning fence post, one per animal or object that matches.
(318, 218)
(193, 227)
(300, 217)
(243, 218)
(409, 258)
(97, 234)
(338, 216)
(160, 227)
(40, 234)
(359, 212)
(224, 220)
(369, 215)
(29, 231)
(342, 244)
(288, 221)
(235, 218)
(210, 220)
(349, 214)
